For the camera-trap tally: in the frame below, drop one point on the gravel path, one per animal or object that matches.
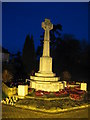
(13, 112)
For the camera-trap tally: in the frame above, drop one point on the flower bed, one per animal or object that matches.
(39, 93)
(80, 92)
(61, 93)
(76, 97)
(46, 93)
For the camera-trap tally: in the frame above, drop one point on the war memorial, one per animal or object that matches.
(45, 79)
(46, 92)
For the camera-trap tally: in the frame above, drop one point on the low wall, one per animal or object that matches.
(8, 91)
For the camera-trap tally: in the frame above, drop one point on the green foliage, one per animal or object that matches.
(29, 58)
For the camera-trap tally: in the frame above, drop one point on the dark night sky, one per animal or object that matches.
(19, 19)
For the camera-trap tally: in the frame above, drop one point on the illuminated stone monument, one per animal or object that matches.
(45, 79)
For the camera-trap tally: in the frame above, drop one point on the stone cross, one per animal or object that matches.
(47, 26)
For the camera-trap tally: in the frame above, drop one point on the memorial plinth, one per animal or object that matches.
(45, 79)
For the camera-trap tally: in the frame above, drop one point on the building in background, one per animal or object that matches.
(5, 55)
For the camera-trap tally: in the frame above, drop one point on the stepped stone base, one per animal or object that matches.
(44, 74)
(46, 86)
(39, 78)
(46, 83)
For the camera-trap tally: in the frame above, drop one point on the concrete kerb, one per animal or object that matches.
(58, 110)
(48, 99)
(40, 98)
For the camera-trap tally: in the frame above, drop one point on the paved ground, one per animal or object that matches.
(13, 112)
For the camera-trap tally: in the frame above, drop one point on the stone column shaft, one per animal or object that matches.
(46, 46)
(45, 66)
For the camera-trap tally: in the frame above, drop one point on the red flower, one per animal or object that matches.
(46, 93)
(39, 93)
(75, 97)
(57, 93)
(80, 91)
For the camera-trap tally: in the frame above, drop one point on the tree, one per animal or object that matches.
(7, 76)
(85, 47)
(67, 54)
(28, 56)
(18, 65)
(66, 76)
(71, 49)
